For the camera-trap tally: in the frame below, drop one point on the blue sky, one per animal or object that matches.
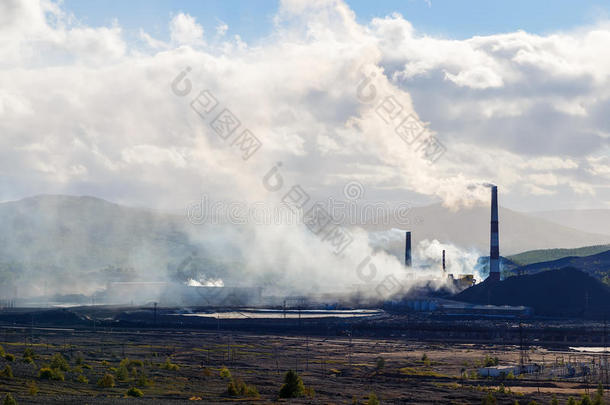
(446, 18)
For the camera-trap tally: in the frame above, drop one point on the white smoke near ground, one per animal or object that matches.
(203, 282)
(458, 261)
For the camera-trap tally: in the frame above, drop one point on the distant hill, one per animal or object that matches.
(75, 244)
(469, 228)
(566, 292)
(594, 221)
(597, 266)
(545, 255)
(66, 244)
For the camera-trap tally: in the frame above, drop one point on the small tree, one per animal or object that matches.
(380, 363)
(122, 374)
(293, 386)
(59, 362)
(373, 400)
(107, 381)
(554, 400)
(489, 399)
(28, 353)
(585, 400)
(9, 400)
(571, 401)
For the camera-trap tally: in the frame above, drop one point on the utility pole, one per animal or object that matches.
(155, 314)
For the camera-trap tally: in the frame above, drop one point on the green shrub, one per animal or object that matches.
(373, 400)
(1, 351)
(585, 400)
(426, 360)
(87, 366)
(122, 374)
(59, 362)
(168, 365)
(490, 361)
(599, 395)
(310, 392)
(237, 388)
(9, 357)
(28, 353)
(82, 379)
(79, 359)
(107, 381)
(233, 388)
(47, 373)
(32, 388)
(571, 401)
(225, 373)
(293, 386)
(135, 392)
(532, 402)
(554, 400)
(489, 399)
(9, 400)
(7, 372)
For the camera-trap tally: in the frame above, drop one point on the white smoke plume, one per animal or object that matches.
(85, 112)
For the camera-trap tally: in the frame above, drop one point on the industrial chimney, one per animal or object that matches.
(494, 245)
(408, 250)
(444, 268)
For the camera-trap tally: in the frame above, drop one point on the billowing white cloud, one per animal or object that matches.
(81, 109)
(184, 30)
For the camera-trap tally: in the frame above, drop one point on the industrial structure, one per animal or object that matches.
(494, 243)
(408, 249)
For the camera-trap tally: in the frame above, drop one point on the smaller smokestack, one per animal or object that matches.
(408, 249)
(444, 268)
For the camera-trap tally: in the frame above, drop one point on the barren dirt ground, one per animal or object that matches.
(339, 370)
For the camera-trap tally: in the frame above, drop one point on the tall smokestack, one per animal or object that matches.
(494, 243)
(444, 268)
(408, 249)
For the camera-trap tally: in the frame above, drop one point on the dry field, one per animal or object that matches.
(340, 370)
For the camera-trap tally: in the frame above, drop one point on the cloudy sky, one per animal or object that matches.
(517, 95)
